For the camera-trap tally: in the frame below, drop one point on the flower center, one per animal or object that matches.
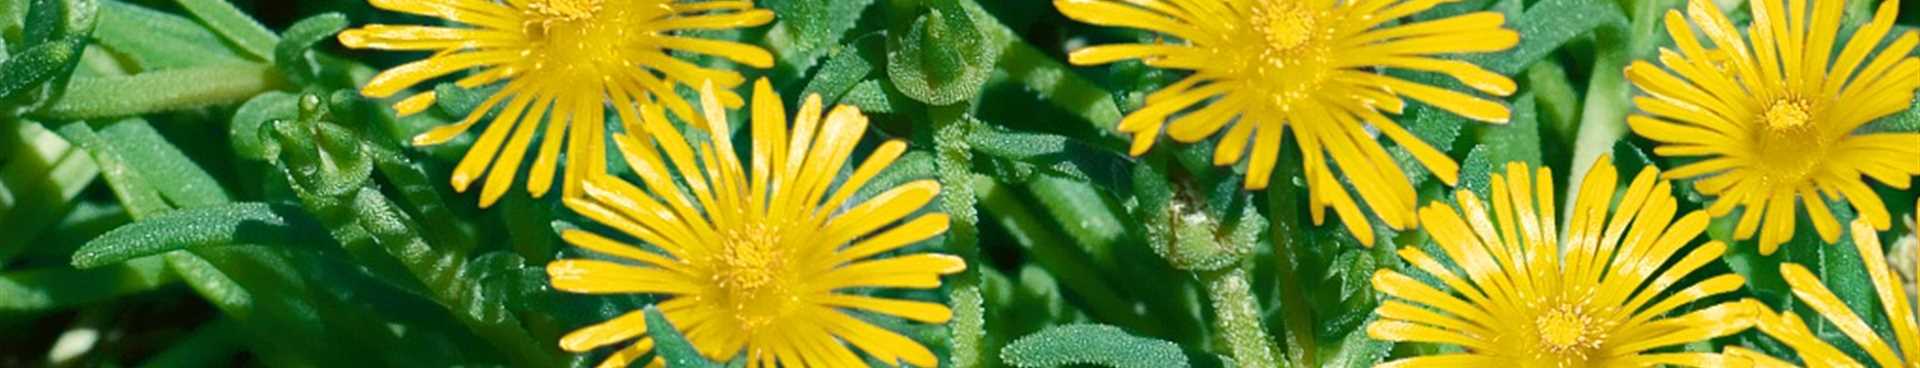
(567, 10)
(1789, 142)
(749, 257)
(1788, 114)
(750, 264)
(1290, 60)
(1288, 26)
(1566, 331)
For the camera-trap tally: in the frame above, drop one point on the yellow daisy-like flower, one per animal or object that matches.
(1521, 301)
(1791, 331)
(563, 61)
(759, 256)
(1772, 122)
(1264, 66)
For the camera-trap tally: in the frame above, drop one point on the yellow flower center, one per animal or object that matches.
(1788, 141)
(1287, 26)
(566, 9)
(579, 42)
(1788, 114)
(1291, 59)
(1566, 331)
(750, 264)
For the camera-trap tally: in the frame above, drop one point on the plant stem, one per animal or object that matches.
(1281, 202)
(1603, 118)
(1237, 316)
(953, 163)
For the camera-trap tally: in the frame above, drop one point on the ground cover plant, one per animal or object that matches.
(959, 183)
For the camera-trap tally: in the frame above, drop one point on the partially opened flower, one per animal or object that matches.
(763, 257)
(557, 63)
(1774, 123)
(1260, 68)
(1606, 297)
(1903, 350)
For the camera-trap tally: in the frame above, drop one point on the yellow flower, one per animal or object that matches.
(1808, 289)
(1265, 66)
(1773, 124)
(562, 61)
(1521, 301)
(759, 256)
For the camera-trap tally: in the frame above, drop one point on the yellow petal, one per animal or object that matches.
(601, 277)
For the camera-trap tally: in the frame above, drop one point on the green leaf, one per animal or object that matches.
(1477, 169)
(1041, 243)
(162, 90)
(1358, 350)
(1629, 159)
(209, 345)
(875, 96)
(177, 177)
(133, 191)
(1437, 127)
(456, 101)
(291, 53)
(159, 40)
(1546, 26)
(914, 165)
(1056, 155)
(38, 64)
(1518, 139)
(1060, 86)
(245, 130)
(235, 26)
(189, 228)
(1903, 122)
(43, 21)
(1091, 344)
(670, 345)
(847, 68)
(40, 180)
(943, 57)
(13, 14)
(809, 26)
(47, 289)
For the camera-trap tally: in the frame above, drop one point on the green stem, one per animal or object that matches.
(953, 165)
(1293, 302)
(161, 90)
(1237, 316)
(1604, 116)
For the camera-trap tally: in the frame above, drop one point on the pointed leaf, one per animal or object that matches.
(235, 224)
(670, 345)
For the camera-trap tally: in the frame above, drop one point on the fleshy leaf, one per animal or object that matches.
(670, 345)
(291, 53)
(200, 227)
(1091, 344)
(38, 64)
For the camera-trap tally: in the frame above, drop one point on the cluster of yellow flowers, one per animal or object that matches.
(748, 254)
(751, 255)
(1766, 124)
